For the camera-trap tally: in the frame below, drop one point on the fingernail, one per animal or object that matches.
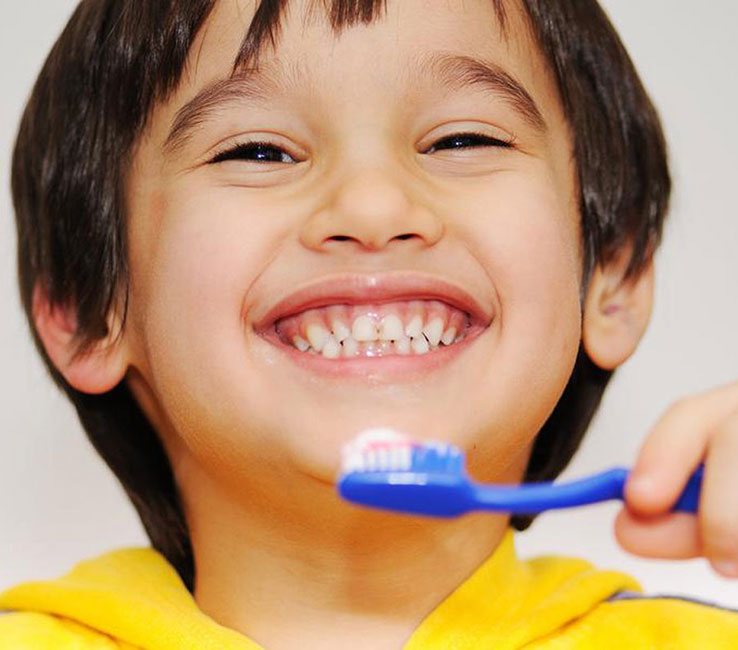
(728, 568)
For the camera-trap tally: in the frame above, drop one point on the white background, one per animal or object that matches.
(59, 503)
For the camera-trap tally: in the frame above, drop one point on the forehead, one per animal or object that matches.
(264, 20)
(404, 44)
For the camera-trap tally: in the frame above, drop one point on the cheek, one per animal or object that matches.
(195, 263)
(529, 244)
(539, 271)
(202, 253)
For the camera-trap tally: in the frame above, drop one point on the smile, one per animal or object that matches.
(389, 326)
(403, 328)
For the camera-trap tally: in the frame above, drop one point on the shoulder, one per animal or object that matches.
(638, 621)
(36, 631)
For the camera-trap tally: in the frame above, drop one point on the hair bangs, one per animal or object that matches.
(341, 14)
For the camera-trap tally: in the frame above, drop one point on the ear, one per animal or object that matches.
(96, 370)
(616, 312)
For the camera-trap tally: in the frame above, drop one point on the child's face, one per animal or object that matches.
(357, 188)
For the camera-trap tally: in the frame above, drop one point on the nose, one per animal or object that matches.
(368, 210)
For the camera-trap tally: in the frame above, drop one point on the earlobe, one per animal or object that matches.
(616, 312)
(96, 370)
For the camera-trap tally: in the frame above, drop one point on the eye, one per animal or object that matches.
(254, 151)
(469, 141)
(267, 152)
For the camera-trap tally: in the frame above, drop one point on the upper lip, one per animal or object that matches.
(354, 289)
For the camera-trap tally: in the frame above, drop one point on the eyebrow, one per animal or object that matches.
(456, 72)
(453, 72)
(247, 84)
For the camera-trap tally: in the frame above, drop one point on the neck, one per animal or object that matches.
(312, 571)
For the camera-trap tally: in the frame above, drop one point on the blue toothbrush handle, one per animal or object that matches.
(690, 498)
(537, 497)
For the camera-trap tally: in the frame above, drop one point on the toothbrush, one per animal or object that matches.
(385, 469)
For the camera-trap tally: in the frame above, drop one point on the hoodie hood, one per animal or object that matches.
(136, 597)
(132, 595)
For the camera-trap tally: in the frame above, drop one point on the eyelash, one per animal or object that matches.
(240, 150)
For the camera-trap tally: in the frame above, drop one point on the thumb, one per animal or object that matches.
(670, 536)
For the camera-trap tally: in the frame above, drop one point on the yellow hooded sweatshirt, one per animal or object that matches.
(133, 599)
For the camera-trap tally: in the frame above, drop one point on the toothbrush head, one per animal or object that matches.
(385, 469)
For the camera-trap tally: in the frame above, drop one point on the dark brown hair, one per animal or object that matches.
(115, 60)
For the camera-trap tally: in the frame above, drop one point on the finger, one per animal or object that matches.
(671, 452)
(674, 448)
(718, 511)
(668, 537)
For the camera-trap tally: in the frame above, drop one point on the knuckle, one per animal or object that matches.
(683, 407)
(678, 413)
(725, 433)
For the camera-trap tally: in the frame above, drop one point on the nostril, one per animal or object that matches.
(370, 242)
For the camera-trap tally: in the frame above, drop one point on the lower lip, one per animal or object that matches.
(394, 366)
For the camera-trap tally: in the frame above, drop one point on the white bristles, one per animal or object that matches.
(377, 449)
(383, 450)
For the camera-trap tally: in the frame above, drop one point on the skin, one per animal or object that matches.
(698, 428)
(254, 441)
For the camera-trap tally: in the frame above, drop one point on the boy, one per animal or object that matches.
(408, 162)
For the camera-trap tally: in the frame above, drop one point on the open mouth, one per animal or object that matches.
(392, 325)
(402, 328)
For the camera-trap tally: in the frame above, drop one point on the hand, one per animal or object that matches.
(695, 429)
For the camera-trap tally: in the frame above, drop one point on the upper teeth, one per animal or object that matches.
(390, 329)
(434, 331)
(340, 331)
(414, 327)
(364, 329)
(317, 336)
(373, 333)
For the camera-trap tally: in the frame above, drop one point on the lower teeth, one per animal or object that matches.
(350, 348)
